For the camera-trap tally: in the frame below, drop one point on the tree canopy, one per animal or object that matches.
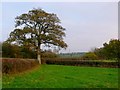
(38, 27)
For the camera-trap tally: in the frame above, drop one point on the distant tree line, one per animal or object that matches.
(72, 55)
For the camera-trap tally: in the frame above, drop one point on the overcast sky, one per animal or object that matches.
(88, 24)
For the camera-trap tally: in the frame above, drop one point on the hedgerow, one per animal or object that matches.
(10, 65)
(78, 62)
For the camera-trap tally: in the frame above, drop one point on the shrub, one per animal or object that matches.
(89, 56)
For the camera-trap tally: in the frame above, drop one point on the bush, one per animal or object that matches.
(89, 56)
(17, 65)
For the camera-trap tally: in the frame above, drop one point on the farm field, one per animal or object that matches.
(59, 76)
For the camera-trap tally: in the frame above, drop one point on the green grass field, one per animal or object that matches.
(59, 76)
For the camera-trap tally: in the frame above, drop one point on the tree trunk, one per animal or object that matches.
(39, 58)
(39, 54)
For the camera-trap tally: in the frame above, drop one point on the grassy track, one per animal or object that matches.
(58, 76)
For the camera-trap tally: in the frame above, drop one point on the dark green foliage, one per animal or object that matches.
(11, 51)
(15, 51)
(109, 50)
(112, 49)
(100, 53)
(26, 52)
(10, 65)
